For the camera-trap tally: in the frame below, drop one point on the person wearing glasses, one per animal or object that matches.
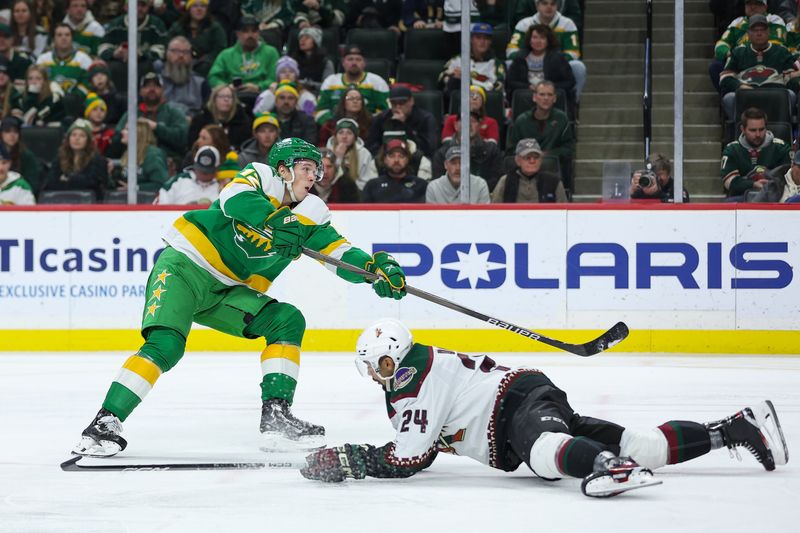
(183, 88)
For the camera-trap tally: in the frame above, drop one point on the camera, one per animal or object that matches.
(647, 178)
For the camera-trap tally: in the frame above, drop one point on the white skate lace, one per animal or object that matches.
(110, 424)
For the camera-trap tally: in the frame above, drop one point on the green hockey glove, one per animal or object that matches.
(288, 234)
(334, 465)
(393, 280)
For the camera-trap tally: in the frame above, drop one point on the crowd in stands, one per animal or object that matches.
(373, 83)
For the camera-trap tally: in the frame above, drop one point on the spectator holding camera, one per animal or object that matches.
(746, 160)
(655, 182)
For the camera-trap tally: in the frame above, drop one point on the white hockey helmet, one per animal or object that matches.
(386, 337)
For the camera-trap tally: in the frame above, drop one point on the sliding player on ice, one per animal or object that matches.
(216, 271)
(442, 401)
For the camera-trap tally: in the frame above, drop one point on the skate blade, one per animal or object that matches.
(593, 487)
(88, 447)
(768, 422)
(277, 442)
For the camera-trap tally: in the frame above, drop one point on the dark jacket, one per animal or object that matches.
(386, 190)
(516, 187)
(420, 127)
(238, 128)
(485, 160)
(94, 177)
(300, 125)
(344, 191)
(665, 193)
(556, 70)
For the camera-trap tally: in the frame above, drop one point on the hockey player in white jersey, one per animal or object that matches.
(443, 401)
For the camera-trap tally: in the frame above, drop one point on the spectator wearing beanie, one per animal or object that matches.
(95, 111)
(14, 189)
(79, 166)
(100, 83)
(314, 65)
(266, 132)
(294, 123)
(354, 159)
(205, 34)
(487, 126)
(286, 70)
(229, 168)
(23, 161)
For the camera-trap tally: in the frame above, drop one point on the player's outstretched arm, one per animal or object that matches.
(243, 199)
(357, 461)
(393, 280)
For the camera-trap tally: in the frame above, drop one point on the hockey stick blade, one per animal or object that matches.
(71, 465)
(613, 336)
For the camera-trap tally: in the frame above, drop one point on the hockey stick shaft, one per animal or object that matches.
(71, 465)
(601, 343)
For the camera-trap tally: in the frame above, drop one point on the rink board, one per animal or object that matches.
(704, 279)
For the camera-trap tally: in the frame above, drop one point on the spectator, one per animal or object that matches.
(354, 159)
(526, 182)
(151, 32)
(372, 87)
(549, 126)
(100, 83)
(42, 103)
(351, 104)
(746, 160)
(151, 161)
(395, 184)
(210, 135)
(95, 111)
(568, 8)
(655, 181)
(167, 122)
(206, 36)
(223, 108)
(566, 31)
(183, 88)
(47, 14)
(311, 59)
(758, 64)
(9, 96)
(286, 71)
(18, 61)
(538, 60)
(249, 64)
(294, 123)
(487, 72)
(421, 14)
(418, 124)
(487, 126)
(336, 186)
(23, 161)
(78, 166)
(307, 13)
(419, 165)
(452, 16)
(196, 184)
(485, 158)
(28, 37)
(65, 65)
(228, 169)
(447, 189)
(736, 34)
(86, 31)
(274, 15)
(375, 14)
(14, 189)
(783, 185)
(266, 132)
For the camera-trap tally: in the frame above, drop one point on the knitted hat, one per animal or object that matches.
(478, 89)
(266, 118)
(92, 101)
(97, 66)
(287, 62)
(347, 123)
(287, 86)
(314, 33)
(190, 3)
(81, 124)
(230, 167)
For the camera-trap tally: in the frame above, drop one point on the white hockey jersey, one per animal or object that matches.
(14, 190)
(444, 401)
(185, 189)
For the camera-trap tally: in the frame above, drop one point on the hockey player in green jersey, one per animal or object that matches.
(216, 270)
(443, 401)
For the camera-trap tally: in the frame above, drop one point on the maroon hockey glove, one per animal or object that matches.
(334, 465)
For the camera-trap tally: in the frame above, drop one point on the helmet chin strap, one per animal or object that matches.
(289, 185)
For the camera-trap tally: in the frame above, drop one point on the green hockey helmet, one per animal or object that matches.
(290, 150)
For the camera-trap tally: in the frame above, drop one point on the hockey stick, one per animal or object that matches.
(71, 465)
(605, 341)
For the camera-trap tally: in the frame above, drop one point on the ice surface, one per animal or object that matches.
(207, 409)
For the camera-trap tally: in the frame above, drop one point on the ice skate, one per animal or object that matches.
(616, 475)
(756, 429)
(102, 437)
(282, 431)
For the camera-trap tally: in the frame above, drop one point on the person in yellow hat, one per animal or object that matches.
(95, 110)
(228, 169)
(266, 132)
